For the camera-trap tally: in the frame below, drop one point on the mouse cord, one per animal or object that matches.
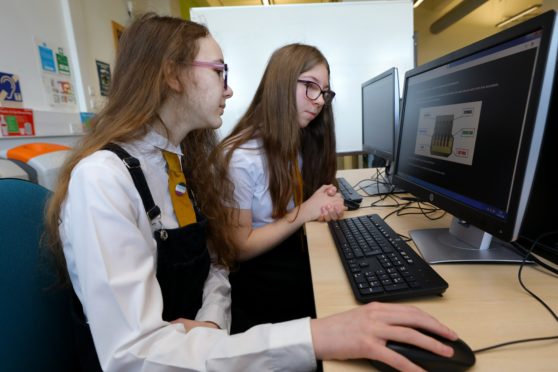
(529, 253)
(515, 342)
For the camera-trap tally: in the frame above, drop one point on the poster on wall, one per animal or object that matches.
(16, 122)
(62, 62)
(103, 71)
(60, 91)
(46, 56)
(10, 91)
(56, 75)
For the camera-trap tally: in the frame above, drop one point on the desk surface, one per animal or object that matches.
(484, 303)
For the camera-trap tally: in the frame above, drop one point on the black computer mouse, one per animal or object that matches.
(351, 205)
(463, 357)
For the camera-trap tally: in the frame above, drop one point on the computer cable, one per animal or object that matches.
(402, 207)
(405, 238)
(425, 210)
(533, 257)
(515, 342)
(372, 179)
(431, 211)
(538, 260)
(528, 253)
(382, 198)
(358, 186)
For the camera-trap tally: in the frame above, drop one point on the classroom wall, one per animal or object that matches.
(92, 23)
(83, 29)
(457, 36)
(20, 23)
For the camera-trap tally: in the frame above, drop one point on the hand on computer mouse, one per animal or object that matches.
(463, 357)
(364, 332)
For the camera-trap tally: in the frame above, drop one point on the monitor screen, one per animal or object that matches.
(380, 123)
(380, 114)
(470, 136)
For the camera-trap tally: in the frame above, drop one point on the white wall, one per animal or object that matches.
(83, 28)
(360, 40)
(92, 25)
(20, 22)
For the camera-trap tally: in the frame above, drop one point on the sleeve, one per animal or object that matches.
(242, 173)
(111, 260)
(216, 298)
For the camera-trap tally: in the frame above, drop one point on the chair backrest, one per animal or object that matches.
(36, 329)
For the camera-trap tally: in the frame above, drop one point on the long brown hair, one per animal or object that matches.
(272, 116)
(152, 50)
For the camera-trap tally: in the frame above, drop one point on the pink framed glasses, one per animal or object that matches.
(220, 68)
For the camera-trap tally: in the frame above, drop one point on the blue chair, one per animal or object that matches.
(36, 329)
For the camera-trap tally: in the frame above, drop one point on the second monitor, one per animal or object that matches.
(380, 122)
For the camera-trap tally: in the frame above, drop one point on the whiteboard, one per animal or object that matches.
(359, 39)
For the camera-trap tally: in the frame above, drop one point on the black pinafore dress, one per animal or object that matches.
(273, 287)
(183, 264)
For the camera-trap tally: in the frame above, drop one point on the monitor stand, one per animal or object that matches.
(381, 184)
(379, 188)
(463, 243)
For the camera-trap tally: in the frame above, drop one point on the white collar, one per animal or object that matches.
(157, 140)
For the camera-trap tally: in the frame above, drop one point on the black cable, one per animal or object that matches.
(534, 258)
(383, 198)
(529, 253)
(431, 218)
(405, 238)
(544, 235)
(514, 342)
(397, 210)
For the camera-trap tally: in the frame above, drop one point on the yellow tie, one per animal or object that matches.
(178, 192)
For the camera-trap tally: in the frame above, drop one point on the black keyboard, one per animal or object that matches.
(349, 194)
(379, 264)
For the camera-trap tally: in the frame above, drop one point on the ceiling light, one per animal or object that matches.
(518, 15)
(417, 3)
(265, 2)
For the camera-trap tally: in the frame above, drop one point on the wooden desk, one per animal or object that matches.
(484, 304)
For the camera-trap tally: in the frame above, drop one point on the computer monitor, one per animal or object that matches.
(471, 129)
(380, 121)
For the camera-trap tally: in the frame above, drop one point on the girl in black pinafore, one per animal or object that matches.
(282, 161)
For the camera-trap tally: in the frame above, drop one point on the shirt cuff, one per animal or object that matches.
(214, 313)
(291, 346)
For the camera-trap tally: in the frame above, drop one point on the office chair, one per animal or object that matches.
(36, 331)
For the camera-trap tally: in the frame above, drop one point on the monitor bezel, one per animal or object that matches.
(366, 148)
(536, 118)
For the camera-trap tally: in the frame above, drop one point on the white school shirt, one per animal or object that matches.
(249, 173)
(111, 257)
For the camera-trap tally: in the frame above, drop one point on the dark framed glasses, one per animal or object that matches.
(314, 91)
(221, 68)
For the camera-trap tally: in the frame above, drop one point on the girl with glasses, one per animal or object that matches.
(282, 161)
(148, 258)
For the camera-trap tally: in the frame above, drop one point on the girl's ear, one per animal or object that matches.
(172, 77)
